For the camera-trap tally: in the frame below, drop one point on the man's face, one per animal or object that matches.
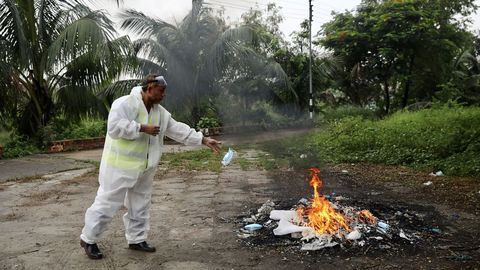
(157, 92)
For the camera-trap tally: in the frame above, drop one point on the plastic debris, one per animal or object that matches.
(303, 201)
(344, 171)
(383, 227)
(227, 159)
(460, 257)
(323, 241)
(436, 230)
(354, 235)
(428, 183)
(287, 227)
(243, 235)
(284, 214)
(253, 227)
(266, 208)
(403, 235)
(296, 235)
(435, 174)
(384, 246)
(303, 156)
(309, 234)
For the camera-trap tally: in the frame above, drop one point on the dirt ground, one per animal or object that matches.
(195, 218)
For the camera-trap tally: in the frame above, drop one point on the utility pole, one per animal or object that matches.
(310, 58)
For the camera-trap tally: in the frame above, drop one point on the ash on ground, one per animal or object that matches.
(396, 229)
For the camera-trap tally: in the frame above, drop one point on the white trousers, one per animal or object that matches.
(115, 191)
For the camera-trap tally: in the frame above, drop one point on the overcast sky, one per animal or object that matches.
(294, 11)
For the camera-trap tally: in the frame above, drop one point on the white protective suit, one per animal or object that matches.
(128, 165)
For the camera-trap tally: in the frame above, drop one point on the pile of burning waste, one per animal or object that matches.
(325, 221)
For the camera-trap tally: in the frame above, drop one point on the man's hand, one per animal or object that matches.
(150, 129)
(212, 144)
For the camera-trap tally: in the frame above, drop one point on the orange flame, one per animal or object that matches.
(367, 216)
(321, 216)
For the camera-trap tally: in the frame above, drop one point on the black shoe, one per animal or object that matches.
(92, 250)
(143, 246)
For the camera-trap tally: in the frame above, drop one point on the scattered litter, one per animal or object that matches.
(460, 257)
(436, 230)
(344, 171)
(438, 173)
(266, 208)
(403, 235)
(296, 235)
(303, 156)
(428, 183)
(384, 246)
(244, 235)
(287, 227)
(350, 226)
(382, 227)
(303, 201)
(323, 241)
(284, 214)
(253, 227)
(227, 159)
(354, 235)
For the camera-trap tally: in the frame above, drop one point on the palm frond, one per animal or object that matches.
(117, 89)
(85, 34)
(12, 28)
(141, 24)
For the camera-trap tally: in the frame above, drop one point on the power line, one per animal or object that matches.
(242, 7)
(266, 5)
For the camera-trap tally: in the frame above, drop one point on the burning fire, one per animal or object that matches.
(321, 216)
(366, 216)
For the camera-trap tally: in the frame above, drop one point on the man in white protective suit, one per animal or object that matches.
(137, 125)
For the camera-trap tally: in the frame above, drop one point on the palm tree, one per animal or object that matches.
(194, 55)
(466, 77)
(54, 55)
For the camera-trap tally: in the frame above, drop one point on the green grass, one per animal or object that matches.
(206, 160)
(443, 138)
(199, 160)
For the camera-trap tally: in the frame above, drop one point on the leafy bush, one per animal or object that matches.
(208, 122)
(329, 114)
(18, 146)
(4, 136)
(445, 138)
(85, 128)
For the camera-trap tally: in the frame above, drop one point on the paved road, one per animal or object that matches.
(44, 164)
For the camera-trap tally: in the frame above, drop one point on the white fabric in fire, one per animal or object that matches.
(286, 225)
